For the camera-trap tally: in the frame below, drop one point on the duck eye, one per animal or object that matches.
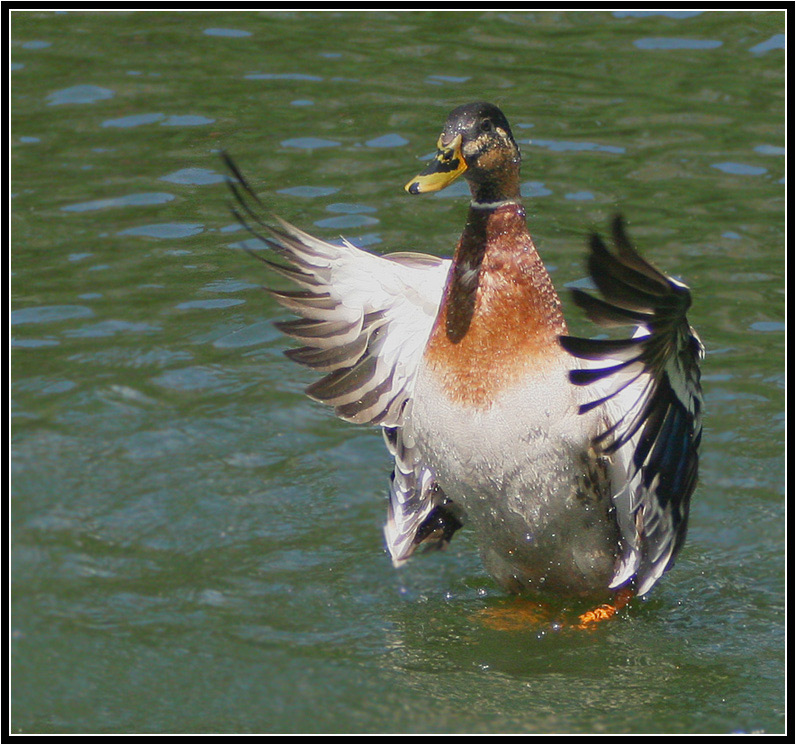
(486, 125)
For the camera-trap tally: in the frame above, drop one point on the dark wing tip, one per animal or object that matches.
(662, 420)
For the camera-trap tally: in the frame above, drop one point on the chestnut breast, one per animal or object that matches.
(500, 316)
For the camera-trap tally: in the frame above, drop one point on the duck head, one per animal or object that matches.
(476, 142)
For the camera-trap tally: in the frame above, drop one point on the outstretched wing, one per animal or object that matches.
(649, 389)
(364, 319)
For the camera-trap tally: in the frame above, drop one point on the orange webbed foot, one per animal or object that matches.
(603, 612)
(525, 614)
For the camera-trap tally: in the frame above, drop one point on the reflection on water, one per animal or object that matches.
(230, 32)
(558, 146)
(184, 520)
(195, 176)
(165, 230)
(740, 169)
(777, 41)
(666, 43)
(309, 143)
(131, 200)
(79, 94)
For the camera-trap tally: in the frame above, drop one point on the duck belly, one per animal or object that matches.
(523, 469)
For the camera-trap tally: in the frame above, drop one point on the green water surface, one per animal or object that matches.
(195, 546)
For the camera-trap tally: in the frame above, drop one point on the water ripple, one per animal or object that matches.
(282, 76)
(309, 191)
(174, 120)
(33, 343)
(211, 304)
(767, 326)
(44, 386)
(229, 285)
(249, 336)
(186, 120)
(661, 42)
(346, 221)
(740, 169)
(775, 42)
(131, 200)
(110, 328)
(79, 94)
(534, 189)
(560, 146)
(770, 150)
(227, 32)
(390, 140)
(49, 314)
(189, 379)
(676, 14)
(349, 209)
(309, 143)
(194, 177)
(134, 120)
(443, 79)
(166, 230)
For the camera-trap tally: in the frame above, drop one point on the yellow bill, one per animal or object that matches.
(446, 166)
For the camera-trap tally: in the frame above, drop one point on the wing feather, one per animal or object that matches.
(649, 389)
(364, 321)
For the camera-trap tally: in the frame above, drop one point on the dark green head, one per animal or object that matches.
(476, 142)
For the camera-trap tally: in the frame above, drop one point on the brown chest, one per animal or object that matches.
(500, 318)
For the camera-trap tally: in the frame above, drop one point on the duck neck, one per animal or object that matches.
(497, 272)
(494, 175)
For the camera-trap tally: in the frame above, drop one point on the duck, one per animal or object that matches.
(573, 459)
